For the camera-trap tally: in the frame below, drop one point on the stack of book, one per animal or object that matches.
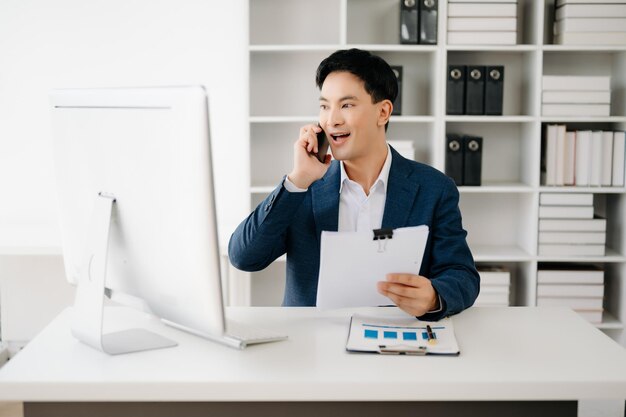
(588, 22)
(571, 95)
(584, 157)
(577, 287)
(404, 148)
(567, 226)
(495, 283)
(482, 22)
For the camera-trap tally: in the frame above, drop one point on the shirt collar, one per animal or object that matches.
(383, 177)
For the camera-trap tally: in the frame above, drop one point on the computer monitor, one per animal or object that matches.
(137, 209)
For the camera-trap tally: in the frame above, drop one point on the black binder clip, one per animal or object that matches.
(380, 235)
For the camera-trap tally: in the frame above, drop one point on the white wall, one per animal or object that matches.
(47, 44)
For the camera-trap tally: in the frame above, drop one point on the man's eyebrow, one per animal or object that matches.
(342, 98)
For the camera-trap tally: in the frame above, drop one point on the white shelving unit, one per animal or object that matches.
(289, 38)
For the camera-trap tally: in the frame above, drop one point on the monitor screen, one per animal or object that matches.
(148, 148)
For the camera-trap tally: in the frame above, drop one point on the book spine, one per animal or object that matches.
(569, 277)
(575, 83)
(583, 110)
(482, 24)
(619, 156)
(590, 10)
(546, 249)
(567, 290)
(576, 97)
(583, 152)
(482, 38)
(563, 199)
(482, 10)
(565, 212)
(595, 162)
(560, 225)
(606, 168)
(597, 238)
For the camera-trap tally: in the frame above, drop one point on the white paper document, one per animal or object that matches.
(402, 335)
(351, 263)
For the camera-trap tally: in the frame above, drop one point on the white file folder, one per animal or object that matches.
(351, 263)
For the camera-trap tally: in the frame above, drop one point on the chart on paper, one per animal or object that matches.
(370, 334)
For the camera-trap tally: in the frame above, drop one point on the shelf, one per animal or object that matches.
(490, 119)
(392, 47)
(501, 215)
(334, 47)
(585, 48)
(497, 188)
(572, 189)
(499, 253)
(574, 119)
(314, 119)
(611, 256)
(492, 48)
(609, 321)
(292, 48)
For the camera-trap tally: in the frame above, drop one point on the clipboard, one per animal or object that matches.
(351, 263)
(401, 335)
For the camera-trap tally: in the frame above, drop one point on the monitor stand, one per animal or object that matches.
(88, 311)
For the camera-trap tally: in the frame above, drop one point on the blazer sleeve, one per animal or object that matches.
(261, 237)
(453, 272)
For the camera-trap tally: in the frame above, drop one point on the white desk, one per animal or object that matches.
(507, 354)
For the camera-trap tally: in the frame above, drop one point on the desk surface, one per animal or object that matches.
(518, 353)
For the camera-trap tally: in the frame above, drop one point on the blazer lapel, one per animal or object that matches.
(401, 192)
(325, 200)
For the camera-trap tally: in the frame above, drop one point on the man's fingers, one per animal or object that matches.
(408, 279)
(401, 290)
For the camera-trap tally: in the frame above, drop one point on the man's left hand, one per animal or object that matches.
(412, 293)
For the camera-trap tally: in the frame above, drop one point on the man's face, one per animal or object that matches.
(348, 116)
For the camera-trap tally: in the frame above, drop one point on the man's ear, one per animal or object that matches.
(384, 113)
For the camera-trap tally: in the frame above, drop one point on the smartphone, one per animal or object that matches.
(322, 145)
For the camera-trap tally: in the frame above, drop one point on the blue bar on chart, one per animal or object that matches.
(409, 335)
(371, 334)
(390, 335)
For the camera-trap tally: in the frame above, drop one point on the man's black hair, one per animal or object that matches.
(379, 79)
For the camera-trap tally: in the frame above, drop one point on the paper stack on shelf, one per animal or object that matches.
(495, 283)
(404, 148)
(584, 157)
(567, 226)
(578, 287)
(587, 22)
(484, 22)
(570, 95)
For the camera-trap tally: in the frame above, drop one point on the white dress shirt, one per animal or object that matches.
(359, 212)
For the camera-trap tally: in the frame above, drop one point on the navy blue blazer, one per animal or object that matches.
(417, 194)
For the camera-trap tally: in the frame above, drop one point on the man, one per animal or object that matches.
(368, 186)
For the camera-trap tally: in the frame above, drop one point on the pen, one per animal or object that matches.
(431, 335)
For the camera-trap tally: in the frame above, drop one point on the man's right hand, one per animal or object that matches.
(306, 167)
